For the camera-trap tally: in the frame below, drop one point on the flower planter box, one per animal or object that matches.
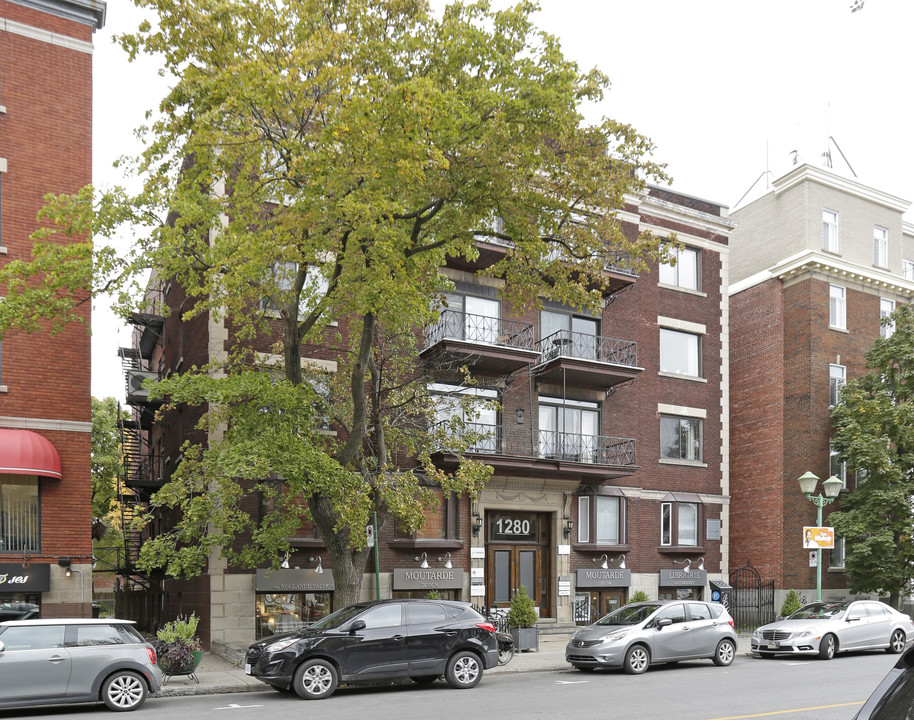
(190, 668)
(526, 638)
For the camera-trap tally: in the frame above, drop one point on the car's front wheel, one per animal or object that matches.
(464, 670)
(897, 642)
(315, 679)
(125, 690)
(828, 647)
(724, 653)
(636, 660)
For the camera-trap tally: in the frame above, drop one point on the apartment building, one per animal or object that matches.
(45, 411)
(608, 439)
(815, 264)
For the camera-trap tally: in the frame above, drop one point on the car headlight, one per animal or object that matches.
(757, 634)
(614, 636)
(802, 634)
(280, 645)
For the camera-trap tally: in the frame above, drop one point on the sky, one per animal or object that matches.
(729, 91)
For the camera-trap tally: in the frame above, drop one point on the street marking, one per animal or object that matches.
(235, 706)
(787, 712)
(571, 682)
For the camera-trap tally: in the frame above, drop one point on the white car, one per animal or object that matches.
(53, 661)
(827, 628)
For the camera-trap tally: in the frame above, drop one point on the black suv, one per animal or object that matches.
(379, 640)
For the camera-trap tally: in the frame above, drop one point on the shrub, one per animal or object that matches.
(523, 612)
(177, 640)
(639, 596)
(791, 604)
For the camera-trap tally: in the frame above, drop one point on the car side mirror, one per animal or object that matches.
(356, 625)
(663, 622)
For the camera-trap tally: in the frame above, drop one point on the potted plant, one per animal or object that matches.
(178, 648)
(522, 619)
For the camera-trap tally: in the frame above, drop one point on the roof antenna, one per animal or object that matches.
(843, 157)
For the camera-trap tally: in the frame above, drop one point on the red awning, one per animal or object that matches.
(23, 452)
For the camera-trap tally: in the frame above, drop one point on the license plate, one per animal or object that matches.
(247, 669)
(774, 645)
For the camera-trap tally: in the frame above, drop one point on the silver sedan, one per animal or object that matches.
(638, 635)
(827, 628)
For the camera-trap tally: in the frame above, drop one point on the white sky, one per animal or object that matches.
(726, 89)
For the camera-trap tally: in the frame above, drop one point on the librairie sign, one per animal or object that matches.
(683, 578)
(34, 578)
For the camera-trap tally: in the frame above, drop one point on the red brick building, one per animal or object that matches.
(610, 448)
(815, 264)
(45, 422)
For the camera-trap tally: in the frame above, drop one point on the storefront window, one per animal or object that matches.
(19, 606)
(19, 514)
(286, 612)
(683, 593)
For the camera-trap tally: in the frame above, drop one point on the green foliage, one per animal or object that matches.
(433, 595)
(522, 613)
(639, 596)
(106, 456)
(176, 640)
(874, 434)
(394, 139)
(791, 604)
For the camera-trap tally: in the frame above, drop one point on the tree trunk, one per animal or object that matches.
(348, 565)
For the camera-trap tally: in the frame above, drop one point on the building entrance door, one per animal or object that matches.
(605, 601)
(516, 555)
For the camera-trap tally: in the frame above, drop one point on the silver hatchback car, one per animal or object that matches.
(637, 635)
(53, 661)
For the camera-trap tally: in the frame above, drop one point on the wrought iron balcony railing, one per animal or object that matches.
(457, 325)
(485, 439)
(566, 343)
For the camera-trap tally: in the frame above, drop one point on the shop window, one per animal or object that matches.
(684, 272)
(286, 612)
(20, 523)
(601, 519)
(680, 524)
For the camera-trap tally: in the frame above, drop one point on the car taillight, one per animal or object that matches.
(152, 654)
(486, 626)
(730, 622)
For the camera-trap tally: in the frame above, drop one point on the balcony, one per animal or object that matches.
(515, 449)
(490, 250)
(484, 344)
(582, 359)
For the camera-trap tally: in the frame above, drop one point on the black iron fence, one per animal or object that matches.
(751, 600)
(566, 343)
(458, 325)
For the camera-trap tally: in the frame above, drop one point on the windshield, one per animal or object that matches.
(335, 619)
(628, 615)
(820, 611)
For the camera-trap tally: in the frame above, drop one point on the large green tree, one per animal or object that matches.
(874, 434)
(329, 156)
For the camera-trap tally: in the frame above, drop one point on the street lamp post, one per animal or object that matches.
(831, 487)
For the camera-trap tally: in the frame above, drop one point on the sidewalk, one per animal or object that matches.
(218, 675)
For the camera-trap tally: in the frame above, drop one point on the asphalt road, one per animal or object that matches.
(750, 688)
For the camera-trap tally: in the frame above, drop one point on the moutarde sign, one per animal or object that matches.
(597, 578)
(428, 579)
(34, 578)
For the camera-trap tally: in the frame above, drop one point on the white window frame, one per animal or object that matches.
(696, 427)
(671, 524)
(693, 359)
(3, 249)
(673, 275)
(837, 556)
(880, 246)
(830, 231)
(837, 379)
(907, 269)
(886, 308)
(837, 307)
(836, 467)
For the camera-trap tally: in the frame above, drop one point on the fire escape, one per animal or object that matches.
(143, 468)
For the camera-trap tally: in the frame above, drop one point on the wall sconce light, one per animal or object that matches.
(687, 563)
(606, 560)
(477, 523)
(424, 558)
(447, 559)
(285, 562)
(604, 564)
(701, 563)
(519, 414)
(569, 526)
(65, 563)
(318, 569)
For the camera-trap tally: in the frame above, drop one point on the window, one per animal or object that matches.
(907, 269)
(830, 231)
(471, 414)
(281, 279)
(837, 312)
(880, 247)
(685, 272)
(837, 377)
(321, 386)
(569, 335)
(569, 430)
(679, 523)
(675, 612)
(835, 466)
(19, 514)
(382, 616)
(467, 317)
(33, 637)
(600, 519)
(862, 475)
(2, 170)
(680, 353)
(886, 308)
(441, 520)
(99, 635)
(680, 438)
(836, 554)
